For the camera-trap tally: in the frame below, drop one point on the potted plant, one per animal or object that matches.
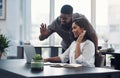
(37, 62)
(4, 43)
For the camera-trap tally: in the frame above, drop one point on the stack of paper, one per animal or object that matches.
(65, 65)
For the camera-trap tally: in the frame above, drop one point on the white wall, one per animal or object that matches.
(3, 26)
(10, 25)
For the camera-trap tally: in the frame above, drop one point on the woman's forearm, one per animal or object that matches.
(53, 59)
(77, 50)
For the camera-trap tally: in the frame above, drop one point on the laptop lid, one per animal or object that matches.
(29, 52)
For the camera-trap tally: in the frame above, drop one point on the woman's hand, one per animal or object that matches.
(80, 38)
(45, 60)
(52, 59)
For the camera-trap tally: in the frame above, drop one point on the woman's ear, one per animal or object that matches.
(84, 31)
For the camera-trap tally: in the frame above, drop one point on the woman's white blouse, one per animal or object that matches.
(87, 57)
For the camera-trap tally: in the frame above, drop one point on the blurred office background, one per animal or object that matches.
(23, 18)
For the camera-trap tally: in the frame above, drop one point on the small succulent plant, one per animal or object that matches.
(37, 57)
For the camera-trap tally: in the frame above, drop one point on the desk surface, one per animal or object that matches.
(19, 68)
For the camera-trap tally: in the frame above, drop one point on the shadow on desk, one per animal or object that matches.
(12, 57)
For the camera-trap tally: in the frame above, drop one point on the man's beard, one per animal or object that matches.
(66, 26)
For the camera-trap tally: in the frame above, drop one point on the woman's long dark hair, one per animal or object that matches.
(84, 23)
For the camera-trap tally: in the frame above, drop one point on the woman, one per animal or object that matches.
(82, 50)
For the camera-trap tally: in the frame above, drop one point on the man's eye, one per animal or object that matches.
(63, 18)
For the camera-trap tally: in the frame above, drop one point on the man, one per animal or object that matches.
(62, 25)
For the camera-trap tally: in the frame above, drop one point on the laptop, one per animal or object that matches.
(29, 52)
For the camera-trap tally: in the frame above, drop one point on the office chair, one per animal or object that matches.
(99, 58)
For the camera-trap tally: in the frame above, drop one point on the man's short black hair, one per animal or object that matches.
(67, 9)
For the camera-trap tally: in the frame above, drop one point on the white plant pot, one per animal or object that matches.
(4, 56)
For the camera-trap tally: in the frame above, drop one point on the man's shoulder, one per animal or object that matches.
(57, 20)
(78, 15)
(55, 26)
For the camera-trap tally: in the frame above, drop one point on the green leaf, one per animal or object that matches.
(37, 57)
(4, 43)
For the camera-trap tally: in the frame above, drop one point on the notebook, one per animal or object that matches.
(29, 52)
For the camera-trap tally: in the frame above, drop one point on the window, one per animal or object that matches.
(107, 21)
(39, 14)
(107, 18)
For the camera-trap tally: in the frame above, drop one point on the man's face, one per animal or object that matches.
(65, 18)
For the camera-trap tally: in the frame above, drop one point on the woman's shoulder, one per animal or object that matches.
(74, 42)
(88, 42)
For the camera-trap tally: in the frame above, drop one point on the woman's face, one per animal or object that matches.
(76, 30)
